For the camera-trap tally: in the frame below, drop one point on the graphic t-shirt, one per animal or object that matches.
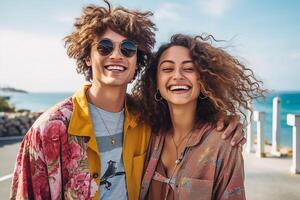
(108, 127)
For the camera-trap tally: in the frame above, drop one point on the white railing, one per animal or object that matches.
(249, 136)
(259, 117)
(294, 120)
(276, 126)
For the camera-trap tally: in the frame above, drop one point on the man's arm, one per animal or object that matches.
(30, 180)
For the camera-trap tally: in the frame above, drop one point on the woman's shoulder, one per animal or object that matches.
(214, 139)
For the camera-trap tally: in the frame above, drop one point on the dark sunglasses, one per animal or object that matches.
(127, 47)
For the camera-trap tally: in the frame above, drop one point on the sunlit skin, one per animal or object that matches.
(111, 82)
(178, 83)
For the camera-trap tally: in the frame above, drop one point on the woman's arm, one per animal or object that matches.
(229, 182)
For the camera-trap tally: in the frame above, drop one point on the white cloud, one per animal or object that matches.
(65, 18)
(36, 62)
(214, 7)
(170, 18)
(168, 11)
(277, 72)
(295, 56)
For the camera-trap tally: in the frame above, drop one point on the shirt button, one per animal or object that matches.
(95, 175)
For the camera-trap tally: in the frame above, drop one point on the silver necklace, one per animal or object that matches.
(178, 145)
(178, 160)
(112, 139)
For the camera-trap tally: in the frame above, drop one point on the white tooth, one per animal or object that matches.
(115, 68)
(175, 87)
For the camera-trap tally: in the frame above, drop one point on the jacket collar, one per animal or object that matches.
(130, 120)
(81, 122)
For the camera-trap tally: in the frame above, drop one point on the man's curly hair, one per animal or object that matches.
(94, 21)
(227, 86)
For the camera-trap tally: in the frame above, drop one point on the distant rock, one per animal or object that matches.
(11, 89)
(16, 124)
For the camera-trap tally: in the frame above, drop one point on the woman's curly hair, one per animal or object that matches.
(227, 86)
(133, 24)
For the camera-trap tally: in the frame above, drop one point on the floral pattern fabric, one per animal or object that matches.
(51, 164)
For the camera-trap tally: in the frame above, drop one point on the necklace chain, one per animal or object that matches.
(180, 158)
(181, 141)
(113, 141)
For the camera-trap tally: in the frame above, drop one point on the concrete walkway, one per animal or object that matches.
(270, 178)
(266, 178)
(8, 152)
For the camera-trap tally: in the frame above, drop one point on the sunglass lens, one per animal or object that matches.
(105, 47)
(128, 48)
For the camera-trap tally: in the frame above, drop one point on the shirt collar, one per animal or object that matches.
(81, 122)
(199, 133)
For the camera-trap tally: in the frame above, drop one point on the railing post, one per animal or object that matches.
(260, 147)
(250, 138)
(294, 120)
(276, 126)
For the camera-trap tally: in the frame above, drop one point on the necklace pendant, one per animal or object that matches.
(113, 141)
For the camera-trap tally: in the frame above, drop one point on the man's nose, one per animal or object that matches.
(116, 54)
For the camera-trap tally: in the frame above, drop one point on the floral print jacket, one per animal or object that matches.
(59, 158)
(48, 159)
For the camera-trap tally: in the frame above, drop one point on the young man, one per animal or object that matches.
(59, 157)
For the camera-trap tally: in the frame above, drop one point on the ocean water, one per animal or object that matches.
(37, 102)
(290, 102)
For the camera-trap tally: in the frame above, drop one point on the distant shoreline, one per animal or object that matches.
(11, 89)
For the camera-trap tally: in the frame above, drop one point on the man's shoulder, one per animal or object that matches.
(51, 126)
(132, 104)
(59, 113)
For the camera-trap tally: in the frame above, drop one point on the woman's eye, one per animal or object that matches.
(190, 69)
(167, 69)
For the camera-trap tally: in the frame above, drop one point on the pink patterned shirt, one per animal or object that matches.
(210, 169)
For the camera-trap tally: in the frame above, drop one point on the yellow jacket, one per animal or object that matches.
(135, 143)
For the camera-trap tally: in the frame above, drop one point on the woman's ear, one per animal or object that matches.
(88, 61)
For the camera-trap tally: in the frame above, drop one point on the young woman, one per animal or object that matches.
(189, 85)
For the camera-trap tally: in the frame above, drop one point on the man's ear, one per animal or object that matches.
(88, 61)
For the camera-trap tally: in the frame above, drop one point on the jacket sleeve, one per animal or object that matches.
(230, 179)
(30, 180)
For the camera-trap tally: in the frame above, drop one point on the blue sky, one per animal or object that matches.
(263, 34)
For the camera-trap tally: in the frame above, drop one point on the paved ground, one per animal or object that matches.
(8, 151)
(266, 179)
(269, 178)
